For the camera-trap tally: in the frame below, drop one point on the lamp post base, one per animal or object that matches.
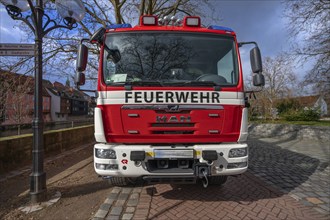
(38, 190)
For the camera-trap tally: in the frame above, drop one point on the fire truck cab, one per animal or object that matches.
(171, 105)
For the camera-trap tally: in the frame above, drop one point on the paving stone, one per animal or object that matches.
(105, 206)
(320, 210)
(127, 216)
(314, 200)
(325, 207)
(311, 194)
(134, 196)
(109, 201)
(325, 199)
(130, 209)
(132, 202)
(137, 190)
(322, 194)
(120, 202)
(113, 217)
(123, 196)
(116, 190)
(101, 213)
(126, 190)
(295, 197)
(116, 211)
(113, 196)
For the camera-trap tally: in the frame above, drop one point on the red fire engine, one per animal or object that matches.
(171, 104)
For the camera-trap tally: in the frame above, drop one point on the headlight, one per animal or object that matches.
(105, 153)
(238, 152)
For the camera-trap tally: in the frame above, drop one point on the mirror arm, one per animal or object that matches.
(84, 40)
(244, 43)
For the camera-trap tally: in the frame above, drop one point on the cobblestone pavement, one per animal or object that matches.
(243, 197)
(299, 168)
(280, 184)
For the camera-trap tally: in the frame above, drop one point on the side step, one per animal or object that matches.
(171, 179)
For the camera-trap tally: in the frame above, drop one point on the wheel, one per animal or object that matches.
(217, 180)
(125, 181)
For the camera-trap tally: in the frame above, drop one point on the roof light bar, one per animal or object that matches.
(192, 21)
(148, 20)
(220, 28)
(116, 26)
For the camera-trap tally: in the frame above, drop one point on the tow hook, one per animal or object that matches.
(205, 181)
(202, 172)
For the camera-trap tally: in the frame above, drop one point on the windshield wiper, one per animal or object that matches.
(200, 83)
(189, 83)
(141, 83)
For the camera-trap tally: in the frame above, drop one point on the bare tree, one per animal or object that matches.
(16, 98)
(280, 83)
(310, 21)
(60, 45)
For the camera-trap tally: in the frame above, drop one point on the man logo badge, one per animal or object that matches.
(165, 119)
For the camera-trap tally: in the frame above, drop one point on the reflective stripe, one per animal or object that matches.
(244, 127)
(170, 97)
(98, 126)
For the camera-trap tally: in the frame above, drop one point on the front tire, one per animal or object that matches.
(124, 181)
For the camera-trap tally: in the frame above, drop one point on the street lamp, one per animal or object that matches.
(41, 24)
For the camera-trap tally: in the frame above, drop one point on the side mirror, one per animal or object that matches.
(82, 58)
(79, 79)
(81, 65)
(255, 59)
(97, 37)
(258, 80)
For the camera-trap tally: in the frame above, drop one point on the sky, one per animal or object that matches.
(252, 20)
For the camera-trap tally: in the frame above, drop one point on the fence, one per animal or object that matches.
(15, 129)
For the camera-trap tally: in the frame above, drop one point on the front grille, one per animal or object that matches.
(173, 132)
(172, 166)
(172, 125)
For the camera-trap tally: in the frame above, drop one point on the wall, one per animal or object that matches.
(319, 133)
(17, 150)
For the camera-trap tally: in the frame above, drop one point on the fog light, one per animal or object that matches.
(236, 165)
(162, 164)
(183, 163)
(106, 166)
(100, 166)
(238, 152)
(105, 153)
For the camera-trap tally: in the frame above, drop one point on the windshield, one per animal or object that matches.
(169, 58)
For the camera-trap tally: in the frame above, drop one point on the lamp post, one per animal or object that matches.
(72, 11)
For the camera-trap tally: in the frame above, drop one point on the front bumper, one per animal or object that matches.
(124, 167)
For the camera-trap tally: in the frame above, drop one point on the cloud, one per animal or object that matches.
(9, 30)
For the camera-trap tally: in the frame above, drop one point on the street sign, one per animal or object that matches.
(17, 49)
(16, 46)
(16, 52)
